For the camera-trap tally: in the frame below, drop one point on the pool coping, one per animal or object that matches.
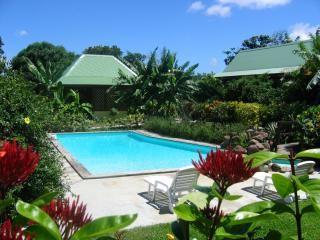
(83, 172)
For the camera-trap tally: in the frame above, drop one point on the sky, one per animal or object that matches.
(198, 31)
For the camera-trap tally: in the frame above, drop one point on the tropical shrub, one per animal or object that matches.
(160, 87)
(27, 117)
(208, 88)
(309, 126)
(281, 112)
(198, 131)
(259, 89)
(130, 121)
(225, 112)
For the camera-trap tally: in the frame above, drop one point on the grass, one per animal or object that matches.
(198, 131)
(285, 224)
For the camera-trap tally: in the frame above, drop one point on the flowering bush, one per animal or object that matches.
(225, 168)
(16, 165)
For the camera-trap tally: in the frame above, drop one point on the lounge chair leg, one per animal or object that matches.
(262, 189)
(170, 199)
(154, 194)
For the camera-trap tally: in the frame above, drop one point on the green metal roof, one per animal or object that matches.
(270, 60)
(91, 69)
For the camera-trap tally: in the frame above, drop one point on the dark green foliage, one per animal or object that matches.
(160, 87)
(209, 88)
(134, 58)
(43, 52)
(2, 57)
(104, 50)
(252, 89)
(302, 85)
(309, 127)
(281, 112)
(206, 132)
(18, 102)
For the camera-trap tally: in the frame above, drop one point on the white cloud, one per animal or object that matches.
(196, 6)
(257, 4)
(302, 30)
(23, 33)
(218, 10)
(214, 62)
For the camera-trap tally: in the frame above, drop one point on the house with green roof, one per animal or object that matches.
(272, 60)
(92, 76)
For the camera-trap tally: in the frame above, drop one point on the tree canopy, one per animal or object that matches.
(44, 52)
(2, 57)
(104, 50)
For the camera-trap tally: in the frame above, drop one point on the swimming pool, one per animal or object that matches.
(125, 152)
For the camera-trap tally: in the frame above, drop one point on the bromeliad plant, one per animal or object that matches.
(47, 217)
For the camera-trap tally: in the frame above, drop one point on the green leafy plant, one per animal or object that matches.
(309, 126)
(46, 228)
(46, 75)
(160, 87)
(286, 186)
(199, 131)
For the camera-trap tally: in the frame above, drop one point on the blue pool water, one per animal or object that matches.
(284, 161)
(126, 152)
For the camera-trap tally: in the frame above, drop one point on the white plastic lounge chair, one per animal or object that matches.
(303, 168)
(182, 183)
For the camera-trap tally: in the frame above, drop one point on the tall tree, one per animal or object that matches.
(161, 85)
(104, 50)
(134, 58)
(258, 42)
(2, 57)
(46, 53)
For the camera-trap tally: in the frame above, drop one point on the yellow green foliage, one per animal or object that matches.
(233, 111)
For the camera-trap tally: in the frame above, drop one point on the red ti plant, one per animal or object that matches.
(10, 232)
(69, 215)
(225, 168)
(16, 165)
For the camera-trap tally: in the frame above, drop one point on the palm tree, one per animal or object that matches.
(312, 59)
(46, 75)
(160, 87)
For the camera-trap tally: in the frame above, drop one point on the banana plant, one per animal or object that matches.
(286, 186)
(46, 75)
(45, 227)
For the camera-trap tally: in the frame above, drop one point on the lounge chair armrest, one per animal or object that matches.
(161, 183)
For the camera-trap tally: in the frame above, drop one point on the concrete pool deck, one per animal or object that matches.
(123, 195)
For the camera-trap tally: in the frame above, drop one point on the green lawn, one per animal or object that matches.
(285, 224)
